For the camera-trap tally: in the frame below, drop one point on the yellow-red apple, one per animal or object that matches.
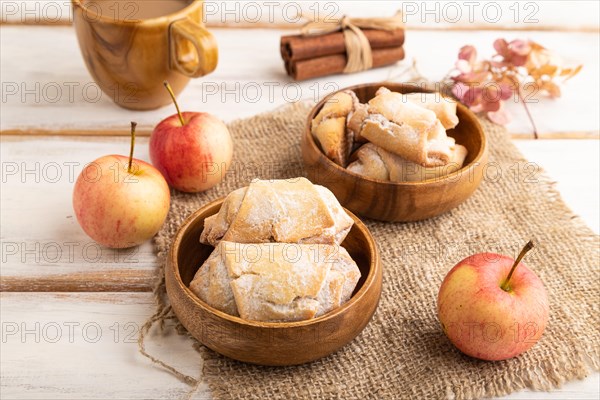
(192, 150)
(119, 201)
(493, 307)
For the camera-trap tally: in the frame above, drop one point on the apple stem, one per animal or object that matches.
(131, 146)
(524, 251)
(170, 90)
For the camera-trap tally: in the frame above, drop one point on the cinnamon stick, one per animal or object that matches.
(335, 64)
(299, 47)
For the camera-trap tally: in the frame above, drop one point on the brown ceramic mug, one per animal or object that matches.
(131, 46)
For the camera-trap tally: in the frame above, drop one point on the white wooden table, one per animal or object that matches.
(71, 311)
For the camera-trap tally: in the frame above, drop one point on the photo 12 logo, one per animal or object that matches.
(269, 91)
(68, 332)
(270, 12)
(35, 11)
(68, 171)
(50, 92)
(455, 12)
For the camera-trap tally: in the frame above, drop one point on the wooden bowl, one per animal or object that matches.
(405, 201)
(269, 343)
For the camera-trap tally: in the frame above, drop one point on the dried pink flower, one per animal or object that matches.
(483, 85)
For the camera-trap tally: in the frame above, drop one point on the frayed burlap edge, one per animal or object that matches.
(553, 375)
(164, 313)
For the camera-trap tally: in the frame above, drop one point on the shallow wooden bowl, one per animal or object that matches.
(269, 343)
(406, 201)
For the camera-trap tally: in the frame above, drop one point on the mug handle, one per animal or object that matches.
(202, 40)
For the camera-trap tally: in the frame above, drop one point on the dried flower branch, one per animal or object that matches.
(484, 85)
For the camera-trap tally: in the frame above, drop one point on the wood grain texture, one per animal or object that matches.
(293, 27)
(43, 247)
(268, 343)
(443, 15)
(130, 59)
(31, 369)
(116, 280)
(66, 98)
(148, 132)
(84, 346)
(403, 201)
(29, 232)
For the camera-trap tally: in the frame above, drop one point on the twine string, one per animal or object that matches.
(358, 49)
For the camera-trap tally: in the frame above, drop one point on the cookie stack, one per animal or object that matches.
(278, 253)
(394, 137)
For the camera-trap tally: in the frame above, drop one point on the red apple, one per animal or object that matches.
(192, 150)
(493, 307)
(120, 201)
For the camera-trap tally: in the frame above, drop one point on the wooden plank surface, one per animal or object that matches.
(439, 15)
(38, 61)
(37, 182)
(248, 82)
(43, 247)
(147, 132)
(84, 346)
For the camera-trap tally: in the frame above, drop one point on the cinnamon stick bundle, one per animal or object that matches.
(300, 47)
(335, 63)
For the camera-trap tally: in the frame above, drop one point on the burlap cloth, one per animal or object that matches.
(403, 353)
